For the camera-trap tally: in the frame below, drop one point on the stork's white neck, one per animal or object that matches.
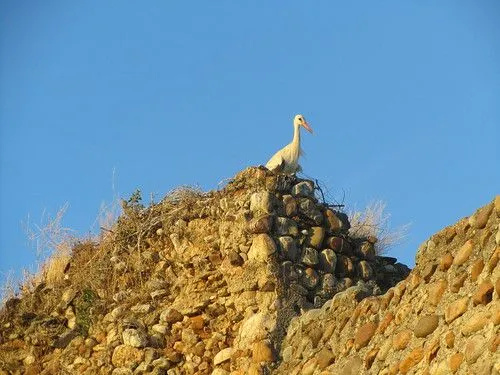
(296, 133)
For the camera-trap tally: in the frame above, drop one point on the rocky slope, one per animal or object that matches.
(241, 280)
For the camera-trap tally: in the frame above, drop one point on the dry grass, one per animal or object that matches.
(8, 288)
(374, 222)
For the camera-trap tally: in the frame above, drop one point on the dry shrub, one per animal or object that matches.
(53, 245)
(183, 193)
(8, 288)
(374, 222)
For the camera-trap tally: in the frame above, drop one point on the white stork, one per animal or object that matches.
(286, 160)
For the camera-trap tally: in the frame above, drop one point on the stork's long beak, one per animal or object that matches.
(307, 127)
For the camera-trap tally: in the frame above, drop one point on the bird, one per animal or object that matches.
(286, 160)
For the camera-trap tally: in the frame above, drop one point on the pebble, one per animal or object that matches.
(476, 269)
(134, 337)
(286, 227)
(445, 262)
(463, 253)
(223, 356)
(436, 291)
(288, 248)
(303, 189)
(261, 202)
(289, 205)
(170, 315)
(426, 325)
(480, 217)
(411, 360)
(127, 356)
(367, 250)
(401, 340)
(476, 322)
(365, 270)
(483, 294)
(455, 309)
(310, 278)
(333, 221)
(474, 348)
(364, 334)
(455, 361)
(309, 256)
(262, 352)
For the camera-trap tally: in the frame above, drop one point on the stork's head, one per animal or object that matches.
(299, 120)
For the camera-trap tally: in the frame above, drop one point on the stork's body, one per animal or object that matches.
(286, 160)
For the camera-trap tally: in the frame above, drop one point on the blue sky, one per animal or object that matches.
(403, 97)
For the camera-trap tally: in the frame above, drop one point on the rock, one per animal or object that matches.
(262, 352)
(436, 291)
(353, 366)
(289, 205)
(122, 371)
(474, 348)
(327, 261)
(344, 266)
(135, 337)
(262, 224)
(309, 256)
(288, 271)
(463, 253)
(428, 271)
(303, 189)
(170, 315)
(426, 325)
(367, 251)
(388, 318)
(261, 202)
(401, 340)
(325, 357)
(127, 356)
(316, 237)
(262, 247)
(480, 217)
(458, 282)
(64, 340)
(333, 222)
(286, 227)
(255, 328)
(235, 259)
(483, 294)
(370, 357)
(223, 356)
(411, 360)
(365, 270)
(310, 278)
(476, 322)
(339, 245)
(142, 308)
(288, 247)
(455, 309)
(445, 262)
(364, 334)
(476, 269)
(309, 209)
(455, 361)
(449, 339)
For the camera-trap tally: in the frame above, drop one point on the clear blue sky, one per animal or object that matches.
(404, 98)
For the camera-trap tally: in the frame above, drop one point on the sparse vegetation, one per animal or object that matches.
(374, 222)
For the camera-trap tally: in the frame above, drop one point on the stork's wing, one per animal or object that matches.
(277, 162)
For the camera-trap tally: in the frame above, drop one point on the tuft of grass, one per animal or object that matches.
(374, 222)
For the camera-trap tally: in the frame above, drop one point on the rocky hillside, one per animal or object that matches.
(260, 277)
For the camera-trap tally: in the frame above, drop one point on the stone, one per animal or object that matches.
(122, 371)
(142, 308)
(401, 339)
(325, 358)
(428, 271)
(364, 334)
(496, 205)
(388, 318)
(223, 356)
(476, 269)
(288, 248)
(426, 325)
(475, 322)
(235, 259)
(316, 237)
(310, 210)
(135, 337)
(262, 248)
(480, 217)
(455, 361)
(436, 291)
(483, 294)
(303, 189)
(64, 340)
(353, 366)
(333, 222)
(286, 227)
(127, 356)
(288, 271)
(339, 245)
(310, 278)
(455, 309)
(344, 266)
(327, 261)
(474, 348)
(254, 328)
(289, 205)
(262, 224)
(370, 358)
(367, 251)
(365, 270)
(445, 262)
(449, 339)
(463, 253)
(458, 282)
(261, 202)
(262, 352)
(309, 256)
(170, 315)
(411, 360)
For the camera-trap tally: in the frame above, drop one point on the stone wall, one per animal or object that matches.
(240, 281)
